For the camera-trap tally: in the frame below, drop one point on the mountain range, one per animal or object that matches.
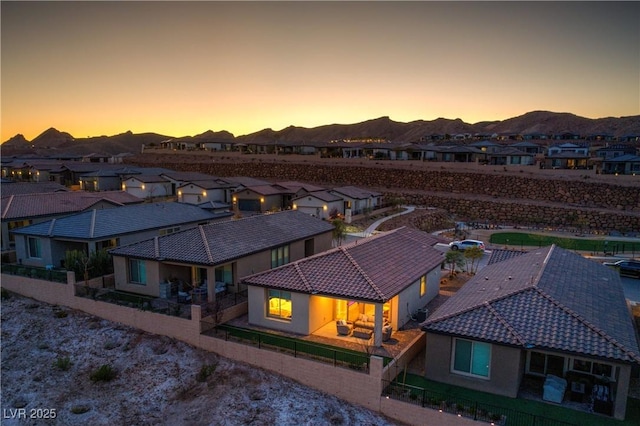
(537, 122)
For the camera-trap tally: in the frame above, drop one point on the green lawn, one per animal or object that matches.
(521, 239)
(551, 412)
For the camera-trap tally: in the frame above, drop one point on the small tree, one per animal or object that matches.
(339, 231)
(454, 259)
(472, 257)
(78, 262)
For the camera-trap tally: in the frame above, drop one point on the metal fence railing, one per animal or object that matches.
(144, 303)
(476, 410)
(354, 360)
(54, 275)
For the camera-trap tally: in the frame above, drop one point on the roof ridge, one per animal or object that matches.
(92, 227)
(51, 226)
(206, 244)
(505, 323)
(589, 325)
(6, 208)
(296, 266)
(361, 271)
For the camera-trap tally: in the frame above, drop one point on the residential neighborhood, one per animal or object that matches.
(224, 258)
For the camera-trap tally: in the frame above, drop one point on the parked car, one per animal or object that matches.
(629, 268)
(465, 244)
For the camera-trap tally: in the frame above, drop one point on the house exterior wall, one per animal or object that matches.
(409, 300)
(121, 276)
(195, 194)
(315, 207)
(320, 311)
(505, 369)
(154, 189)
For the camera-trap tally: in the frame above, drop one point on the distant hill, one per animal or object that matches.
(535, 122)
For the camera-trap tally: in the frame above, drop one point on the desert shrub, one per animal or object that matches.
(103, 374)
(60, 313)
(62, 363)
(205, 371)
(80, 409)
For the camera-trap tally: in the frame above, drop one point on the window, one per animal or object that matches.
(423, 285)
(595, 368)
(542, 364)
(137, 271)
(167, 231)
(471, 358)
(34, 247)
(224, 274)
(279, 256)
(279, 304)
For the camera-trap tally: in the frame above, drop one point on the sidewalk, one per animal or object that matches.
(371, 229)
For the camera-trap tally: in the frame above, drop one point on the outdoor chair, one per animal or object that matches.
(344, 329)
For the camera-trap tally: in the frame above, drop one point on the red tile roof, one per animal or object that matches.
(373, 269)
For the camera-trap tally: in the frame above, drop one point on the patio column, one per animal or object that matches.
(211, 284)
(377, 334)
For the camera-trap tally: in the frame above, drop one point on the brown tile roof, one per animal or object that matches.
(355, 192)
(14, 188)
(51, 204)
(374, 269)
(549, 298)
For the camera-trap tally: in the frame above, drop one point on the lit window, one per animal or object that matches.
(471, 358)
(35, 247)
(137, 271)
(279, 304)
(423, 285)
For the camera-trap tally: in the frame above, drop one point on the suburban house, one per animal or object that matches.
(322, 204)
(201, 191)
(46, 243)
(367, 284)
(528, 147)
(357, 201)
(548, 312)
(509, 156)
(627, 164)
(617, 150)
(25, 209)
(211, 258)
(147, 186)
(567, 156)
(261, 198)
(10, 187)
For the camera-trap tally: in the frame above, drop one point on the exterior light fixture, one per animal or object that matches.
(324, 207)
(262, 199)
(204, 193)
(142, 186)
(295, 206)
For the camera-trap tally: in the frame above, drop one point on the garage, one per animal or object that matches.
(249, 205)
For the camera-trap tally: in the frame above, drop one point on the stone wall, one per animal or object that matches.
(503, 199)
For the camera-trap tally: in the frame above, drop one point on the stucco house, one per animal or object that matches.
(627, 164)
(546, 312)
(385, 277)
(26, 209)
(46, 243)
(216, 255)
(147, 186)
(357, 200)
(320, 204)
(202, 191)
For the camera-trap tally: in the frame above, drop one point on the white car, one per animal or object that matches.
(465, 244)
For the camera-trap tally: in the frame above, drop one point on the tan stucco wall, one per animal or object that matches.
(321, 311)
(504, 371)
(120, 268)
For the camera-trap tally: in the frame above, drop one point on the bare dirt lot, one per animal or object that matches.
(49, 355)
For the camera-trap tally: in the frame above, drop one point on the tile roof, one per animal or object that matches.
(99, 224)
(355, 193)
(320, 195)
(374, 269)
(56, 203)
(187, 176)
(267, 189)
(244, 180)
(221, 242)
(500, 255)
(295, 186)
(14, 188)
(549, 298)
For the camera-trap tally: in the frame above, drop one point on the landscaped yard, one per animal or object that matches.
(551, 412)
(522, 239)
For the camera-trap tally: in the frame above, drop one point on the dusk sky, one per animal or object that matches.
(177, 68)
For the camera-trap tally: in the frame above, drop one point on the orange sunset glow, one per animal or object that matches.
(181, 68)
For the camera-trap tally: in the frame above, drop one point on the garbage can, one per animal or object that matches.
(421, 315)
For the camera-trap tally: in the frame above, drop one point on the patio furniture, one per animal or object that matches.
(362, 333)
(553, 389)
(386, 332)
(344, 328)
(365, 321)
